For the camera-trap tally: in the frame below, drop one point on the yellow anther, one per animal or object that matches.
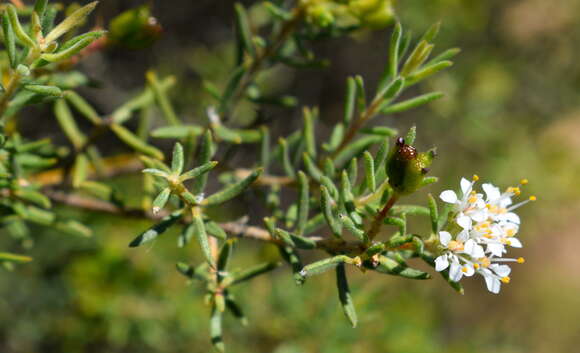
(455, 245)
(472, 199)
(476, 266)
(485, 262)
(510, 232)
(505, 279)
(533, 198)
(524, 181)
(521, 260)
(464, 269)
(508, 242)
(475, 177)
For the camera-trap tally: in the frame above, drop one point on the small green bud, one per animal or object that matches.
(407, 168)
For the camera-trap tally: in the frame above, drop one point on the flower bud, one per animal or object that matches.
(375, 14)
(406, 167)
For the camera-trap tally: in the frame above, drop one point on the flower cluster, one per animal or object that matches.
(485, 226)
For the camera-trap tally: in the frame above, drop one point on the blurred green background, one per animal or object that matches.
(512, 110)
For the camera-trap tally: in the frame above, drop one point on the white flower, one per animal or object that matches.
(458, 255)
(488, 229)
(470, 206)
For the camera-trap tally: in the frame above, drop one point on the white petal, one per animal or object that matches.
(444, 238)
(473, 249)
(441, 263)
(501, 270)
(455, 273)
(479, 215)
(464, 222)
(463, 236)
(509, 217)
(515, 243)
(448, 196)
(469, 271)
(465, 186)
(493, 284)
(496, 249)
(491, 192)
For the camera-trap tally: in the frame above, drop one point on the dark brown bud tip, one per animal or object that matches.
(400, 141)
(425, 170)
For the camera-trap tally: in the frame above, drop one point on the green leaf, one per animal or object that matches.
(412, 103)
(161, 200)
(311, 167)
(9, 40)
(411, 135)
(196, 172)
(352, 228)
(206, 152)
(326, 203)
(201, 236)
(156, 172)
(286, 162)
(392, 267)
(432, 32)
(354, 149)
(68, 124)
(43, 90)
(135, 142)
(232, 191)
(235, 309)
(75, 19)
(446, 55)
(177, 159)
(9, 257)
(40, 8)
(369, 164)
(416, 58)
(146, 98)
(224, 255)
(394, 48)
(71, 48)
(308, 132)
(410, 210)
(17, 28)
(349, 100)
(80, 170)
(391, 91)
(162, 99)
(214, 229)
(433, 213)
(33, 196)
(324, 265)
(361, 99)
(303, 202)
(158, 229)
(83, 107)
(199, 272)
(215, 329)
(243, 31)
(295, 240)
(249, 273)
(344, 295)
(335, 138)
(427, 71)
(73, 227)
(177, 132)
(265, 148)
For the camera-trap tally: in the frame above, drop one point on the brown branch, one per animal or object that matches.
(379, 217)
(237, 229)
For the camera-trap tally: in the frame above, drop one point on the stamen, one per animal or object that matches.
(475, 177)
(505, 279)
(464, 269)
(521, 260)
(476, 266)
(524, 181)
(533, 198)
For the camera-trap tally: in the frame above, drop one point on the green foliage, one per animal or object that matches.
(345, 188)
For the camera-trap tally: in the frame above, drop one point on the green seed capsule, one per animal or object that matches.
(407, 168)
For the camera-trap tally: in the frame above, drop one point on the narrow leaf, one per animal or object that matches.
(232, 191)
(158, 229)
(412, 103)
(72, 21)
(344, 295)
